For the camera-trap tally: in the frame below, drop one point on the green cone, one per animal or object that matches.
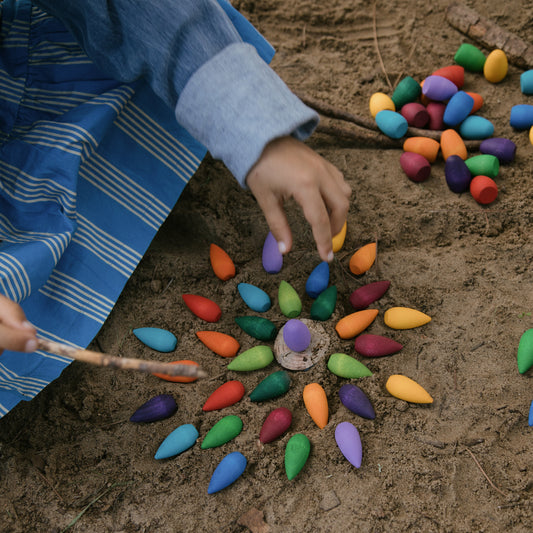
(223, 431)
(258, 327)
(344, 366)
(470, 57)
(272, 386)
(483, 165)
(408, 90)
(524, 355)
(252, 359)
(289, 301)
(296, 454)
(324, 305)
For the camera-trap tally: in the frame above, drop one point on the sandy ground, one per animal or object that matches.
(461, 464)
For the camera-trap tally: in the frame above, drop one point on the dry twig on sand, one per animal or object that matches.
(375, 32)
(122, 363)
(369, 133)
(484, 473)
(490, 35)
(359, 136)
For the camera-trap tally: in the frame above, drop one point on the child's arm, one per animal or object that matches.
(16, 333)
(223, 93)
(288, 168)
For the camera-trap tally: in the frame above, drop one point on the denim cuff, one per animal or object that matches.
(235, 104)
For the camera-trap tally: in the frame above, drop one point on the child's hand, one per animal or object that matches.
(288, 168)
(16, 333)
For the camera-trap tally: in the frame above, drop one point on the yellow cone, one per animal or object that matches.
(405, 318)
(406, 389)
(338, 240)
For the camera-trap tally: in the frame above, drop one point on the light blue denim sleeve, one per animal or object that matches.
(235, 104)
(192, 55)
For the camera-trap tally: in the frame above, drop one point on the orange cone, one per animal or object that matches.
(221, 262)
(316, 403)
(220, 343)
(353, 324)
(363, 258)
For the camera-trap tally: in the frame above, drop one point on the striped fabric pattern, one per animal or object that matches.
(89, 170)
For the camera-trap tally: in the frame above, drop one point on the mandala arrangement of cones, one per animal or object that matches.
(299, 344)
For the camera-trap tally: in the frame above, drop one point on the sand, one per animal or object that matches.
(460, 464)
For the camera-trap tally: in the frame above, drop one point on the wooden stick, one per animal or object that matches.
(373, 139)
(375, 32)
(484, 473)
(359, 136)
(368, 124)
(340, 114)
(122, 363)
(490, 35)
(400, 75)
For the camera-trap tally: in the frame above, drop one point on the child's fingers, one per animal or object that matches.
(336, 195)
(276, 218)
(325, 203)
(17, 339)
(16, 333)
(288, 168)
(338, 204)
(316, 214)
(12, 314)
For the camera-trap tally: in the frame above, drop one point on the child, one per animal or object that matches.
(93, 158)
(16, 333)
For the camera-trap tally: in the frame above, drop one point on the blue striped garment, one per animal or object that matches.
(89, 170)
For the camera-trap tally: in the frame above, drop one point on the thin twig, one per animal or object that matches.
(218, 376)
(340, 114)
(478, 345)
(361, 138)
(92, 502)
(400, 75)
(168, 285)
(483, 472)
(109, 424)
(369, 124)
(15, 514)
(431, 442)
(368, 138)
(47, 481)
(122, 363)
(377, 47)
